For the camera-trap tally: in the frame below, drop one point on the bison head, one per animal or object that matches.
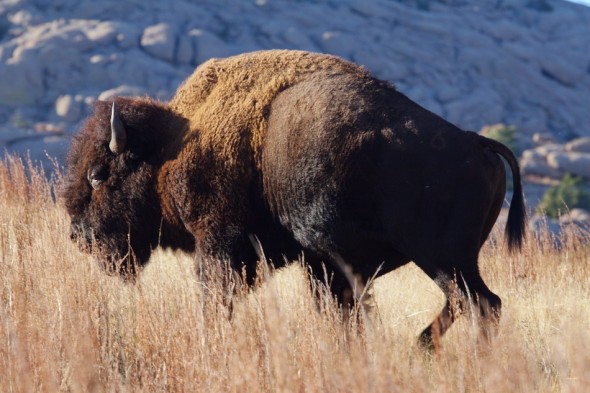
(110, 189)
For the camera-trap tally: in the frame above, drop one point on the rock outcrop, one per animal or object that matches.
(550, 162)
(520, 62)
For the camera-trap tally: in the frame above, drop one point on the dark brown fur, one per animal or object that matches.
(306, 153)
(127, 208)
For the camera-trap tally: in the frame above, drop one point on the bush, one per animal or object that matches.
(569, 194)
(503, 133)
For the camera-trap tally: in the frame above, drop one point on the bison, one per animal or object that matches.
(306, 153)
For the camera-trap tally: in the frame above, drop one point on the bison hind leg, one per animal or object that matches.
(352, 291)
(333, 279)
(463, 288)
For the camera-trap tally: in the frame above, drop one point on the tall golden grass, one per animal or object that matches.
(66, 326)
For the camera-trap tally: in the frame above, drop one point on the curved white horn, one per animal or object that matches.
(118, 133)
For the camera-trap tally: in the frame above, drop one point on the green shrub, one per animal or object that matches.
(569, 194)
(503, 133)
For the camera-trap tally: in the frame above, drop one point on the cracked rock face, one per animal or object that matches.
(518, 62)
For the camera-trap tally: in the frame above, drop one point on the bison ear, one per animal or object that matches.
(118, 133)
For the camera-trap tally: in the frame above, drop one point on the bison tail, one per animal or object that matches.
(516, 225)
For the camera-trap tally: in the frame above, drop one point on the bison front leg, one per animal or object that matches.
(218, 263)
(225, 245)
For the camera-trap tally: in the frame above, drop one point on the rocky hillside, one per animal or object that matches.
(520, 62)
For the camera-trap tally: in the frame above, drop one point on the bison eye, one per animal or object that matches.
(96, 176)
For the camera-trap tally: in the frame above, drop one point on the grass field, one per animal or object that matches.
(66, 326)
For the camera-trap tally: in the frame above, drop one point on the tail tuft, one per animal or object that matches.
(517, 219)
(516, 225)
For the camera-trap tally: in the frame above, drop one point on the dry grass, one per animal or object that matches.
(65, 326)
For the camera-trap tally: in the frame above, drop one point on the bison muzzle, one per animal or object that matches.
(307, 153)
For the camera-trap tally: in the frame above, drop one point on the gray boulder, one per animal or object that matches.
(128, 35)
(185, 53)
(69, 108)
(159, 40)
(564, 72)
(581, 145)
(576, 216)
(549, 148)
(577, 164)
(535, 164)
(102, 32)
(207, 45)
(543, 138)
(22, 83)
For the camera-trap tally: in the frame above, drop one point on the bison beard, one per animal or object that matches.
(308, 154)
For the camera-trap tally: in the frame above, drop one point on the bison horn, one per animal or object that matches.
(118, 133)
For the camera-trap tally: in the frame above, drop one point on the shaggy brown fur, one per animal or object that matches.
(298, 152)
(227, 101)
(127, 202)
